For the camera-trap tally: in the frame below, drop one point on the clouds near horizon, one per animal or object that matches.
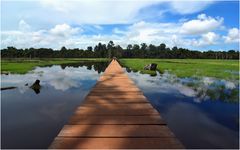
(57, 23)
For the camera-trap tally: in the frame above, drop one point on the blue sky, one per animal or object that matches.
(199, 25)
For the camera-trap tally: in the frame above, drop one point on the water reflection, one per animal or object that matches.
(202, 112)
(37, 91)
(30, 120)
(96, 66)
(200, 88)
(35, 86)
(61, 77)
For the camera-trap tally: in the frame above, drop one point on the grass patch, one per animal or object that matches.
(222, 69)
(22, 66)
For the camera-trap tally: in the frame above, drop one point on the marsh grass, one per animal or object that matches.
(22, 66)
(222, 69)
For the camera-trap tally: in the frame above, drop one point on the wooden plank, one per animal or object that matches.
(114, 92)
(109, 82)
(110, 100)
(112, 95)
(100, 100)
(115, 114)
(116, 109)
(117, 106)
(116, 82)
(115, 131)
(102, 78)
(116, 89)
(118, 97)
(124, 85)
(114, 120)
(121, 111)
(114, 76)
(117, 101)
(115, 143)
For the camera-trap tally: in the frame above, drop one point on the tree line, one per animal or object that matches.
(111, 50)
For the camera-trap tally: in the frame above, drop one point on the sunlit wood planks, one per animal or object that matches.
(115, 115)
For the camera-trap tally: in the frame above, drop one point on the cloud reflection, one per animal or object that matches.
(55, 76)
(200, 88)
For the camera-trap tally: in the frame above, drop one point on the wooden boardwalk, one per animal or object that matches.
(115, 115)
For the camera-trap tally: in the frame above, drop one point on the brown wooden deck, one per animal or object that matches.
(115, 115)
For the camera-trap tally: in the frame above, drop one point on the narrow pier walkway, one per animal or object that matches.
(115, 115)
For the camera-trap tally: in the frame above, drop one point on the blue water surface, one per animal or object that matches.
(203, 115)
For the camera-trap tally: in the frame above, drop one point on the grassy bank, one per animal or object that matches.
(223, 69)
(24, 65)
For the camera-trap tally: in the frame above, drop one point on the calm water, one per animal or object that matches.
(202, 112)
(31, 120)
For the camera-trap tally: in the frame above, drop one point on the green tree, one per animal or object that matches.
(162, 46)
(110, 48)
(129, 47)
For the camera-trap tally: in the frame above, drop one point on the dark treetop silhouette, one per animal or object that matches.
(110, 50)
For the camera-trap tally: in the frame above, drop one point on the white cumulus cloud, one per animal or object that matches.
(23, 26)
(151, 32)
(207, 39)
(189, 7)
(25, 38)
(233, 36)
(203, 34)
(201, 25)
(117, 11)
(96, 11)
(64, 30)
(210, 37)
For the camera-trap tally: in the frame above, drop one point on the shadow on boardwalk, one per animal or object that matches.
(115, 114)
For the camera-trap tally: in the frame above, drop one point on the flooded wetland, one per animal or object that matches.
(201, 111)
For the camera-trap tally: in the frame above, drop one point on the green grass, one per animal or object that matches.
(222, 69)
(181, 67)
(22, 66)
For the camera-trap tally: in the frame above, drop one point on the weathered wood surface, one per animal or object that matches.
(115, 115)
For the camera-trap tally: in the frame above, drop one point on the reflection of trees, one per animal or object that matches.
(97, 66)
(37, 91)
(217, 90)
(75, 65)
(89, 66)
(100, 67)
(214, 91)
(128, 70)
(151, 73)
(227, 95)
